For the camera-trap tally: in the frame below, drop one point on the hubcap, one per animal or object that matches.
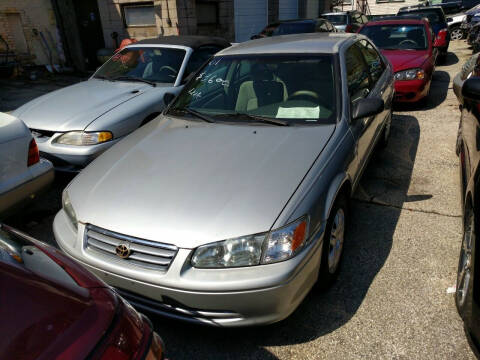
(336, 241)
(465, 263)
(456, 34)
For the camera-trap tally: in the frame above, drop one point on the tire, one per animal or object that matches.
(333, 243)
(465, 271)
(383, 141)
(456, 33)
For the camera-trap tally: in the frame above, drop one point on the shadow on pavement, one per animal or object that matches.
(438, 94)
(451, 59)
(369, 241)
(36, 217)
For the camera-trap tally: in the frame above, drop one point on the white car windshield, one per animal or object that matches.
(290, 89)
(158, 65)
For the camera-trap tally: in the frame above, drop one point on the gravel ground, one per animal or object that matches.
(390, 300)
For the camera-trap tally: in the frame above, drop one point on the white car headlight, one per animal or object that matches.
(68, 208)
(410, 74)
(277, 245)
(82, 138)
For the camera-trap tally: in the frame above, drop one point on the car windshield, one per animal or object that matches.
(298, 89)
(403, 37)
(143, 63)
(336, 19)
(432, 15)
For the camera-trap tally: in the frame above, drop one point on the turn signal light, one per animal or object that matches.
(33, 153)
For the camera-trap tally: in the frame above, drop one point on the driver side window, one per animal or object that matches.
(357, 74)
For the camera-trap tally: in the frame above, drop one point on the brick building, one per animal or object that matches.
(30, 30)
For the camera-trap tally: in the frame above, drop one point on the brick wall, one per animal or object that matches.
(32, 14)
(172, 17)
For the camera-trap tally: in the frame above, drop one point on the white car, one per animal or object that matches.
(22, 172)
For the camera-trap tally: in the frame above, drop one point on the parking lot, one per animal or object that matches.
(391, 300)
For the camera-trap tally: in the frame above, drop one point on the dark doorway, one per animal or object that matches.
(90, 28)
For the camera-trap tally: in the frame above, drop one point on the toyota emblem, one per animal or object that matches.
(122, 251)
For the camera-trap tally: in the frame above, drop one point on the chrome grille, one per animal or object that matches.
(144, 253)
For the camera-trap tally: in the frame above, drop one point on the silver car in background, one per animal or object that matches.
(74, 125)
(228, 208)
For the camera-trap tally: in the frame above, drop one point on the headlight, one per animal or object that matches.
(68, 208)
(81, 138)
(410, 74)
(277, 245)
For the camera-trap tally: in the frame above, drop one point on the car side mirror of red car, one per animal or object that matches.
(471, 88)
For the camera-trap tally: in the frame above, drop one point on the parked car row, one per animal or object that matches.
(220, 176)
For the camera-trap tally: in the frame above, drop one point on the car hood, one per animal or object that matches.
(405, 59)
(44, 310)
(189, 183)
(75, 107)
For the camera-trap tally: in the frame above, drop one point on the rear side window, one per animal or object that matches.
(373, 60)
(357, 74)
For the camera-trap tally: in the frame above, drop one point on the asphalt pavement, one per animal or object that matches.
(391, 299)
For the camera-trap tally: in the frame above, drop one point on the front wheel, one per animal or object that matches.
(463, 296)
(456, 33)
(333, 243)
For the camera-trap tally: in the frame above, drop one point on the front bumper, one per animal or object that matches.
(220, 297)
(411, 90)
(42, 176)
(69, 157)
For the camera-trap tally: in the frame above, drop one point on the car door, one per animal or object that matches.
(380, 84)
(358, 84)
(366, 78)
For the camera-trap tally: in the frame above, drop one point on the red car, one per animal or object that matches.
(409, 45)
(51, 308)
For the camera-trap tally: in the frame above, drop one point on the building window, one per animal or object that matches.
(139, 14)
(207, 12)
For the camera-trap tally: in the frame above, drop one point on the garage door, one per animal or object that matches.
(288, 9)
(250, 18)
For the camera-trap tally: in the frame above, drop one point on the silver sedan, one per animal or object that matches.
(74, 125)
(229, 207)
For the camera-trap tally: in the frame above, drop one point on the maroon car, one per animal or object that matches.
(51, 308)
(409, 45)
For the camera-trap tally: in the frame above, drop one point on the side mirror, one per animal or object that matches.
(471, 88)
(168, 98)
(367, 107)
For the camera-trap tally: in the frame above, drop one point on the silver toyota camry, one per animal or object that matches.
(74, 125)
(232, 204)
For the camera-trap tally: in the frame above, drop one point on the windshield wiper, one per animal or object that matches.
(264, 119)
(198, 114)
(135, 78)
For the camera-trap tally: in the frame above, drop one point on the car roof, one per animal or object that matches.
(191, 41)
(311, 43)
(406, 21)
